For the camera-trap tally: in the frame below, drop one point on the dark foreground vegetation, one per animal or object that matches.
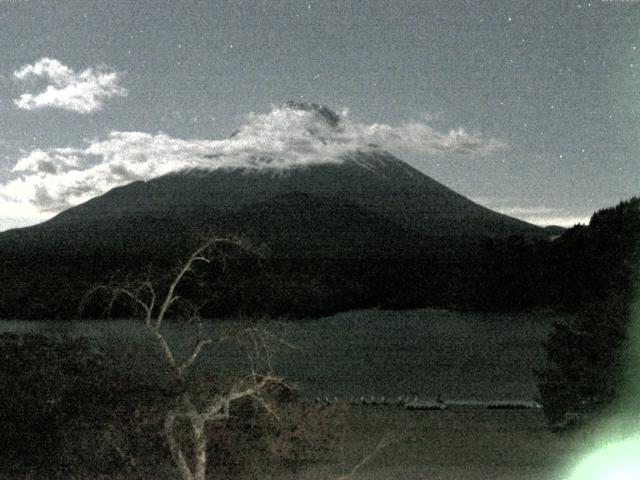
(72, 410)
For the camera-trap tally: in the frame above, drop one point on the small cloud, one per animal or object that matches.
(292, 136)
(83, 92)
(538, 215)
(566, 221)
(528, 211)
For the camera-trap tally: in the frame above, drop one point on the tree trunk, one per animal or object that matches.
(176, 451)
(200, 447)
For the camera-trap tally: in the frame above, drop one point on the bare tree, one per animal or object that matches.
(155, 307)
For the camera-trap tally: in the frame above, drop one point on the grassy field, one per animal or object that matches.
(460, 355)
(425, 353)
(456, 444)
(422, 352)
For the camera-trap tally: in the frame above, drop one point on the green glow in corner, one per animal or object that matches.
(618, 461)
(617, 454)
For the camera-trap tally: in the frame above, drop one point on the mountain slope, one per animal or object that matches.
(313, 245)
(363, 227)
(376, 181)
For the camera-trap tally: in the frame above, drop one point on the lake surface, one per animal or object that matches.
(426, 353)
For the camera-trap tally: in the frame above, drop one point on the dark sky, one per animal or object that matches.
(554, 82)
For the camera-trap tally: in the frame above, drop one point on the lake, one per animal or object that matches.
(425, 353)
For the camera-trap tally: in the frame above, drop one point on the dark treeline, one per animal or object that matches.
(585, 265)
(589, 273)
(594, 271)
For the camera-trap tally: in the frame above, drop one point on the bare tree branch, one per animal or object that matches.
(383, 443)
(184, 365)
(145, 297)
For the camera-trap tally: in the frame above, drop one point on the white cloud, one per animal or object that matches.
(83, 92)
(52, 162)
(19, 214)
(287, 137)
(545, 216)
(560, 220)
(538, 215)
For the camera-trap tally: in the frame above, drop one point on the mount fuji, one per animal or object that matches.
(359, 209)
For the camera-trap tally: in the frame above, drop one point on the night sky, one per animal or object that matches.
(531, 108)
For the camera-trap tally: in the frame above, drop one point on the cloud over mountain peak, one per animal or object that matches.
(289, 136)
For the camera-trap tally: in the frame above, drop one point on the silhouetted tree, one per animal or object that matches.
(196, 408)
(595, 267)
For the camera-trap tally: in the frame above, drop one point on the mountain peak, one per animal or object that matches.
(291, 120)
(322, 112)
